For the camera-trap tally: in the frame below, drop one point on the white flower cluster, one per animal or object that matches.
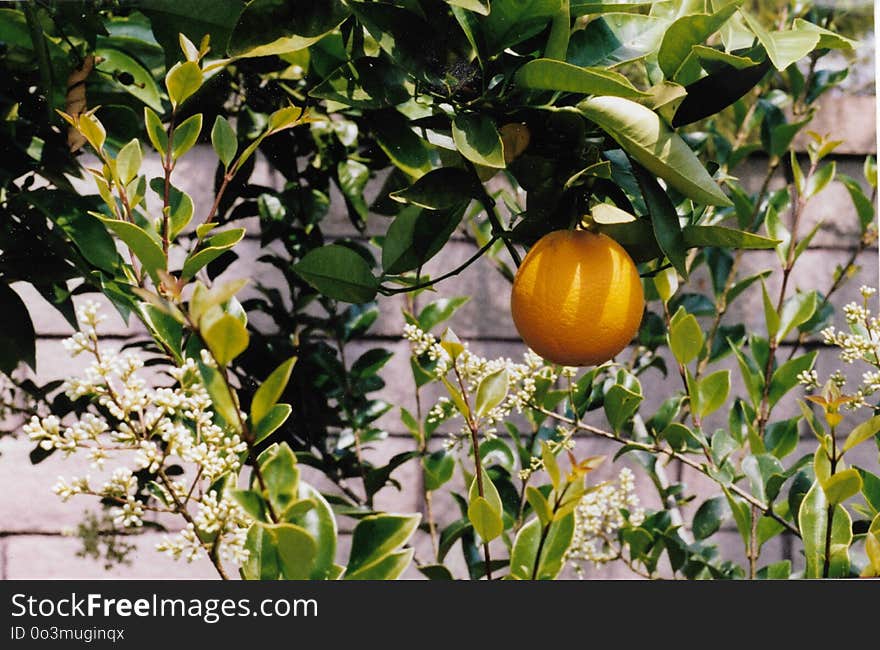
(222, 517)
(599, 516)
(149, 427)
(861, 343)
(469, 370)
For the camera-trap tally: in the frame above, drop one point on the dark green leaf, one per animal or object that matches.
(338, 272)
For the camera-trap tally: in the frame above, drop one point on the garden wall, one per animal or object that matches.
(33, 520)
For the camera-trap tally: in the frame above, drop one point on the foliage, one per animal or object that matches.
(498, 120)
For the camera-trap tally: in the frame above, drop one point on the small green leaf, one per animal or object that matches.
(220, 396)
(770, 315)
(842, 485)
(440, 189)
(685, 338)
(820, 180)
(439, 467)
(785, 377)
(338, 272)
(485, 512)
(797, 310)
(296, 551)
(686, 32)
(211, 249)
(185, 135)
(539, 504)
(270, 391)
(545, 74)
(377, 537)
(262, 561)
(783, 47)
(709, 517)
(155, 131)
(664, 220)
(224, 140)
(477, 139)
(281, 475)
(699, 236)
(620, 406)
(530, 559)
(128, 161)
(550, 464)
(251, 502)
(182, 80)
(862, 432)
(269, 423)
(491, 392)
(141, 244)
(713, 391)
(227, 338)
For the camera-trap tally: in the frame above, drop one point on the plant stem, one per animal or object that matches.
(390, 291)
(656, 449)
(826, 566)
(167, 167)
(478, 462)
(498, 230)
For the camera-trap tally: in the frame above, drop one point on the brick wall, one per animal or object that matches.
(32, 519)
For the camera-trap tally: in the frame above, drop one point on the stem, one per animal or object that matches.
(227, 177)
(478, 462)
(671, 453)
(826, 566)
(168, 167)
(390, 291)
(545, 531)
(498, 229)
(753, 550)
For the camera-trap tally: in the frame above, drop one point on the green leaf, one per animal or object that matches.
(262, 561)
(616, 38)
(664, 221)
(269, 423)
(227, 338)
(491, 392)
(715, 92)
(546, 74)
(268, 27)
(700, 236)
(741, 514)
(842, 485)
(296, 551)
(550, 464)
(142, 87)
(770, 315)
(185, 135)
(194, 18)
(827, 39)
(532, 560)
(182, 80)
(155, 131)
(820, 180)
(439, 189)
(797, 310)
(270, 391)
(813, 524)
(16, 332)
(685, 338)
(783, 47)
(539, 504)
(166, 329)
(367, 82)
(410, 153)
(353, 177)
(485, 512)
(251, 502)
(785, 377)
(320, 523)
(870, 489)
(863, 205)
(180, 206)
(415, 236)
(620, 406)
(862, 432)
(224, 140)
(713, 391)
(128, 161)
(709, 517)
(220, 397)
(512, 21)
(438, 467)
(477, 139)
(141, 244)
(338, 272)
(212, 248)
(375, 538)
(439, 311)
(645, 137)
(685, 33)
(478, 6)
(281, 475)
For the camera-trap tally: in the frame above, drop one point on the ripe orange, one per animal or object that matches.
(577, 298)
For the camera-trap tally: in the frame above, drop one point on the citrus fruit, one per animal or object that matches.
(577, 298)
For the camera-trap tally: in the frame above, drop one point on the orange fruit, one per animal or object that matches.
(577, 298)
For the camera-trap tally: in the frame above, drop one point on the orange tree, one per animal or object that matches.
(503, 120)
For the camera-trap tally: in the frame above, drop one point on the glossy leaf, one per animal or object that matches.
(439, 189)
(224, 140)
(645, 137)
(545, 74)
(142, 86)
(699, 236)
(144, 247)
(338, 272)
(842, 485)
(686, 32)
(182, 80)
(862, 432)
(477, 139)
(212, 248)
(269, 423)
(296, 550)
(375, 538)
(367, 82)
(491, 391)
(270, 390)
(709, 517)
(616, 38)
(269, 27)
(664, 221)
(530, 559)
(686, 338)
(485, 512)
(713, 390)
(438, 469)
